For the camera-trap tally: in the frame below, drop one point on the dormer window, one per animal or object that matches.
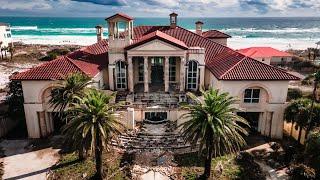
(251, 96)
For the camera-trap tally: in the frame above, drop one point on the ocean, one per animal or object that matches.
(280, 32)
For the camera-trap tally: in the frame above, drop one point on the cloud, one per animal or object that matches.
(105, 2)
(25, 5)
(151, 8)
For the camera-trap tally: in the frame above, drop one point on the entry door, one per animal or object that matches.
(157, 71)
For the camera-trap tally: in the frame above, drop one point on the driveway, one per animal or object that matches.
(22, 162)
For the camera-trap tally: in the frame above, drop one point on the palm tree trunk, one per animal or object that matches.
(300, 132)
(309, 125)
(98, 156)
(81, 153)
(207, 164)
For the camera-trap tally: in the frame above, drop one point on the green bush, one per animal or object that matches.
(301, 172)
(250, 169)
(312, 150)
(53, 54)
(294, 93)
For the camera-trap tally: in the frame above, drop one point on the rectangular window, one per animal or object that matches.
(172, 69)
(251, 96)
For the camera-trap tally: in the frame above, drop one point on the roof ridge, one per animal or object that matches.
(70, 60)
(221, 76)
(210, 40)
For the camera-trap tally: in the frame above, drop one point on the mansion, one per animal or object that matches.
(152, 68)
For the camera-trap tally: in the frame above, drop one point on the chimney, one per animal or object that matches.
(99, 31)
(173, 20)
(199, 27)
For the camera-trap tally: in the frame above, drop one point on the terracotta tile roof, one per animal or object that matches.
(220, 59)
(212, 34)
(55, 69)
(89, 60)
(257, 71)
(223, 62)
(258, 52)
(120, 15)
(157, 35)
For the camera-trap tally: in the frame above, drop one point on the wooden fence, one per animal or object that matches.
(6, 124)
(289, 128)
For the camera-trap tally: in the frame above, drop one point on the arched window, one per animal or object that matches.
(121, 75)
(192, 77)
(251, 95)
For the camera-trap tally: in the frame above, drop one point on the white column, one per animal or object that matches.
(130, 118)
(166, 74)
(182, 73)
(111, 77)
(146, 75)
(130, 74)
(201, 83)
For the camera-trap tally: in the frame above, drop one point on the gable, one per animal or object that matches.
(156, 45)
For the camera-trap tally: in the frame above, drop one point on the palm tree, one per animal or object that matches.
(298, 111)
(63, 95)
(93, 123)
(314, 93)
(64, 92)
(214, 126)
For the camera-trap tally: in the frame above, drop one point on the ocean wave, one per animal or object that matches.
(24, 27)
(55, 30)
(283, 30)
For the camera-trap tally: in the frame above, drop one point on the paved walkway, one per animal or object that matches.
(21, 163)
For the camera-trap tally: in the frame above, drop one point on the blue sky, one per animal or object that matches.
(160, 8)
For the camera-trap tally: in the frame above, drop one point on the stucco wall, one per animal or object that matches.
(272, 102)
(4, 39)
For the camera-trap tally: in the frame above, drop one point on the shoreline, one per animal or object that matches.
(235, 42)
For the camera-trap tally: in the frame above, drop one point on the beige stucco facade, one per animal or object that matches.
(153, 77)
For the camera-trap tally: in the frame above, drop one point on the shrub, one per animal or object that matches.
(312, 152)
(250, 169)
(301, 172)
(294, 93)
(53, 54)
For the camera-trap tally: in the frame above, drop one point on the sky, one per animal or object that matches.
(161, 8)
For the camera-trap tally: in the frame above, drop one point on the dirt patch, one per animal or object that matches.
(35, 164)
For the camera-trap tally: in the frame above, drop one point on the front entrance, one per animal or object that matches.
(252, 118)
(157, 71)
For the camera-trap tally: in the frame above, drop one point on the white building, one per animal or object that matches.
(267, 55)
(152, 67)
(5, 35)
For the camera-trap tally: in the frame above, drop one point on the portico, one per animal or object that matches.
(156, 73)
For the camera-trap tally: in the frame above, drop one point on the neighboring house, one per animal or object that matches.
(152, 68)
(5, 35)
(267, 55)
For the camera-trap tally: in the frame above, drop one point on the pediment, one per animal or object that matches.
(156, 45)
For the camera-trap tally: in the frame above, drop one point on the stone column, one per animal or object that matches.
(130, 74)
(146, 75)
(201, 83)
(182, 73)
(166, 74)
(111, 77)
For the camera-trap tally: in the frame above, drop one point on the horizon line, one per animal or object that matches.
(165, 17)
